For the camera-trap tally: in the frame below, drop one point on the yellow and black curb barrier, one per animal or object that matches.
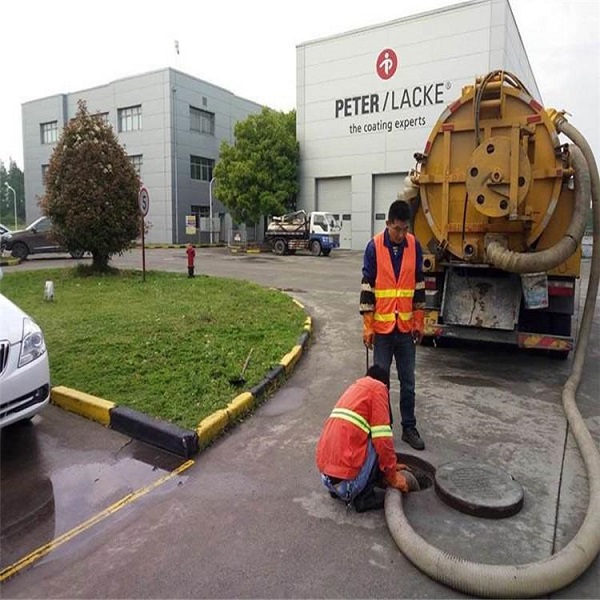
(9, 261)
(180, 441)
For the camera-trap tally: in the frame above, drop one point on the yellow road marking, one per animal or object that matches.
(65, 537)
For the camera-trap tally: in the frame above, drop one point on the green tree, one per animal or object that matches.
(92, 190)
(258, 174)
(15, 178)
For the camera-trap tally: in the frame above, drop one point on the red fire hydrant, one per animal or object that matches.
(191, 255)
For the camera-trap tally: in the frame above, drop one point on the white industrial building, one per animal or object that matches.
(368, 99)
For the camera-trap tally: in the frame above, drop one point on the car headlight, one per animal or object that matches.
(33, 345)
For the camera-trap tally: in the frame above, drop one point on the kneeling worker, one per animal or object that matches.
(356, 452)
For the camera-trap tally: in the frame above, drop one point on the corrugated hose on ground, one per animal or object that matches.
(560, 569)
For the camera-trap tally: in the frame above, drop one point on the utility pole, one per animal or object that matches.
(12, 189)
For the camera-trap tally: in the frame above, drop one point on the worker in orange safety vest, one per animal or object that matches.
(355, 453)
(392, 302)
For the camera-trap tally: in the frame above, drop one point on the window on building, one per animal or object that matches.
(202, 121)
(200, 212)
(137, 160)
(49, 132)
(201, 168)
(103, 116)
(130, 118)
(44, 172)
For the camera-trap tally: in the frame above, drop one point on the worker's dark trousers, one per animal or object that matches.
(190, 271)
(401, 347)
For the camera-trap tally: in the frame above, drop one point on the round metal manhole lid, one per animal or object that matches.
(478, 489)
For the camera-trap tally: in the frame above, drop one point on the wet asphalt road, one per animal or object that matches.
(249, 518)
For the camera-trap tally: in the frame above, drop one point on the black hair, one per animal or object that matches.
(399, 211)
(379, 373)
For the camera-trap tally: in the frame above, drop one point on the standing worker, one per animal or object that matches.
(191, 255)
(355, 453)
(392, 302)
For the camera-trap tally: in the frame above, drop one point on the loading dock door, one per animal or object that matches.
(334, 195)
(385, 191)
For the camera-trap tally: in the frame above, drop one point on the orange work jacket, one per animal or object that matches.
(394, 298)
(362, 412)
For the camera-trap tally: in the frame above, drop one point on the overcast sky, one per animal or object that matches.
(249, 48)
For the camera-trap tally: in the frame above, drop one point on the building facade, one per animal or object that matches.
(171, 125)
(368, 99)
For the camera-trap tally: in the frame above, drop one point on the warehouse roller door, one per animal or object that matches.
(334, 195)
(385, 191)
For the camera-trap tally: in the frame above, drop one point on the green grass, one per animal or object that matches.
(167, 346)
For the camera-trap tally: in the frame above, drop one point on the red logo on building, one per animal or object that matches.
(387, 63)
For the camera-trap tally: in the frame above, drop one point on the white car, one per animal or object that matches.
(24, 368)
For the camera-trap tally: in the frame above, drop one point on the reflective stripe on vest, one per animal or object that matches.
(346, 414)
(394, 297)
(379, 431)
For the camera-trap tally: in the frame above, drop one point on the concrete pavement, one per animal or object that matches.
(251, 518)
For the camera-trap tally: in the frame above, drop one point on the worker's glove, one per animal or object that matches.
(397, 480)
(402, 467)
(418, 326)
(368, 331)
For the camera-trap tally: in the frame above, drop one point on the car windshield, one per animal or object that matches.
(36, 223)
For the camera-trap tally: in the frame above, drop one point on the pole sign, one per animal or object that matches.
(144, 201)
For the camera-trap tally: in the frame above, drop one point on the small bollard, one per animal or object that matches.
(49, 291)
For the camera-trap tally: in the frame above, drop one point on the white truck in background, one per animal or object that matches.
(318, 232)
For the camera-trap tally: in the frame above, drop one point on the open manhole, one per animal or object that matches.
(421, 469)
(478, 489)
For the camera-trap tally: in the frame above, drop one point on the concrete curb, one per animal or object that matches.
(9, 262)
(165, 435)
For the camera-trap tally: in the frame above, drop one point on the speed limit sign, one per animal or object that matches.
(144, 201)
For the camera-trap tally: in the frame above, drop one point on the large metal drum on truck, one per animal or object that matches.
(496, 201)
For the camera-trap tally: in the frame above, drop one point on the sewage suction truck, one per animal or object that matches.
(500, 209)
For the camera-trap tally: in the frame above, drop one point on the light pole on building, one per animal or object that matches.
(12, 189)
(210, 198)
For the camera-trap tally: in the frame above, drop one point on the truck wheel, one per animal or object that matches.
(315, 247)
(279, 247)
(326, 251)
(20, 250)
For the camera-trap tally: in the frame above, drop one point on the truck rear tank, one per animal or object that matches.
(496, 191)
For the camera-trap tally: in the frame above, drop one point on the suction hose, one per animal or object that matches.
(557, 571)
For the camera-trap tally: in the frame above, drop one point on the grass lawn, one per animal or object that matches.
(167, 346)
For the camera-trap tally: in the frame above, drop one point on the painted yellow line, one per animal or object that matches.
(65, 537)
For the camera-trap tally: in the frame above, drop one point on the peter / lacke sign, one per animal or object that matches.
(395, 99)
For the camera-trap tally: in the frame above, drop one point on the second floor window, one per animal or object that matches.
(103, 116)
(202, 121)
(49, 132)
(201, 168)
(130, 118)
(137, 160)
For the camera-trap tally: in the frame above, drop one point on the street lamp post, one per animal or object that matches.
(210, 198)
(12, 189)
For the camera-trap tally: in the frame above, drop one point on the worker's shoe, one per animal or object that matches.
(371, 499)
(412, 438)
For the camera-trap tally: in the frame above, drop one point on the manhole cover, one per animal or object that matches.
(478, 489)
